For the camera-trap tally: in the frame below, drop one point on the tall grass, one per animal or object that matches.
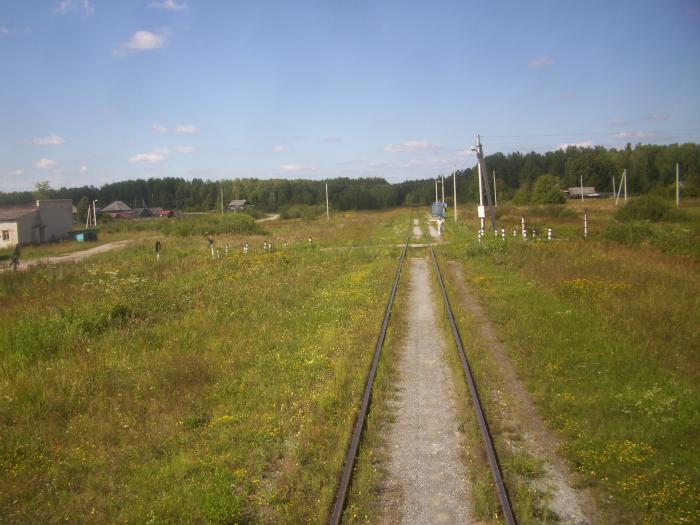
(605, 337)
(192, 390)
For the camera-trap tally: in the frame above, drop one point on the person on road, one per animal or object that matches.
(14, 262)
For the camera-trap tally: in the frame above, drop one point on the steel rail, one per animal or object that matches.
(351, 456)
(478, 407)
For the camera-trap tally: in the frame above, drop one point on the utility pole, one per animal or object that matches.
(484, 177)
(328, 210)
(436, 197)
(625, 173)
(443, 189)
(482, 215)
(94, 212)
(678, 188)
(454, 186)
(495, 193)
(613, 178)
(581, 188)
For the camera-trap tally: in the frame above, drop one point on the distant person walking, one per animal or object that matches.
(210, 238)
(14, 262)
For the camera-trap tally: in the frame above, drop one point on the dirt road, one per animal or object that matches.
(72, 257)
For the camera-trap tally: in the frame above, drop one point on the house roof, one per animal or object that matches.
(116, 206)
(11, 214)
(587, 190)
(237, 202)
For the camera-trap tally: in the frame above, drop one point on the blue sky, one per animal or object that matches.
(94, 91)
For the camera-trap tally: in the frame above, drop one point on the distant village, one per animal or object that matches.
(53, 220)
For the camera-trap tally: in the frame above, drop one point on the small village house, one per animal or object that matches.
(588, 192)
(48, 220)
(117, 209)
(238, 205)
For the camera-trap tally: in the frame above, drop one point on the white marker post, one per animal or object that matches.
(585, 224)
(549, 234)
(522, 227)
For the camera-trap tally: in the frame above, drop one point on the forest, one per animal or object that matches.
(650, 168)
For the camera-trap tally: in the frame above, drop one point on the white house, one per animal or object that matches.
(48, 220)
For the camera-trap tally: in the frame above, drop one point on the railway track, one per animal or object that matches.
(487, 438)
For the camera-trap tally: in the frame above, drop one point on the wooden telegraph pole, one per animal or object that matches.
(454, 195)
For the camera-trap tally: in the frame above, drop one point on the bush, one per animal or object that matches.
(649, 208)
(552, 210)
(197, 225)
(302, 211)
(547, 191)
(630, 233)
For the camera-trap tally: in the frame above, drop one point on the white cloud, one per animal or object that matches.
(83, 168)
(293, 168)
(617, 121)
(141, 41)
(169, 4)
(16, 173)
(64, 6)
(466, 153)
(51, 140)
(634, 135)
(186, 129)
(45, 164)
(584, 144)
(537, 63)
(410, 146)
(185, 149)
(157, 155)
(159, 128)
(280, 149)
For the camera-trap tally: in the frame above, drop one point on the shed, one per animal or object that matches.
(238, 205)
(588, 192)
(47, 220)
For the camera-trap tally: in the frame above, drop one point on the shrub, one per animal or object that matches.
(197, 225)
(302, 211)
(631, 233)
(551, 210)
(547, 191)
(649, 208)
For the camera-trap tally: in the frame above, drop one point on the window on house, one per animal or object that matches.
(6, 235)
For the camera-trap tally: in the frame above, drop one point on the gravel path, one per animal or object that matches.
(73, 257)
(426, 475)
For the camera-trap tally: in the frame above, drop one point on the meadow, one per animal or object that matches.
(193, 389)
(604, 334)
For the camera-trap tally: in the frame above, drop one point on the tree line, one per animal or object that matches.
(650, 168)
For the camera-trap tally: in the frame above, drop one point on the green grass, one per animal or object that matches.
(606, 338)
(193, 390)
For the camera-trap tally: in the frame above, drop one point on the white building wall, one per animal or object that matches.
(11, 227)
(56, 217)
